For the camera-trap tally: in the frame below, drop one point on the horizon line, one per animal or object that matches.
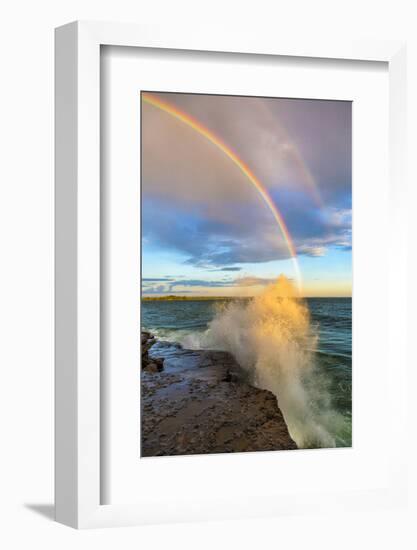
(219, 297)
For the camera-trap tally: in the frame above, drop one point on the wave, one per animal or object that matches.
(273, 340)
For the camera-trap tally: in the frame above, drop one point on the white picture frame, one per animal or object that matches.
(78, 405)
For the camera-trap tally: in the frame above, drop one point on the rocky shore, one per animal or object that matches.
(199, 402)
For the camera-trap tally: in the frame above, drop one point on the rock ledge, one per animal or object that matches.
(198, 402)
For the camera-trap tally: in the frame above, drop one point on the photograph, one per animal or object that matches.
(246, 273)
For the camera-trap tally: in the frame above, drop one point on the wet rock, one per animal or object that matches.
(156, 364)
(151, 367)
(231, 377)
(201, 402)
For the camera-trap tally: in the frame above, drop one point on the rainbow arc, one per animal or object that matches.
(243, 167)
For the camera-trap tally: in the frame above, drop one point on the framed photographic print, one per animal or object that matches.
(222, 272)
(229, 246)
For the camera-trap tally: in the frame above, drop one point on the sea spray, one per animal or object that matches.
(273, 340)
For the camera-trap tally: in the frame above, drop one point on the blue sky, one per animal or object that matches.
(206, 230)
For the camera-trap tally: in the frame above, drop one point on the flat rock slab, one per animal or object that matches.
(201, 403)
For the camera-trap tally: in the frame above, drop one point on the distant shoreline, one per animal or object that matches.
(189, 298)
(173, 298)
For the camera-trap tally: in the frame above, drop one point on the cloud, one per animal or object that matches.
(334, 231)
(157, 289)
(315, 251)
(155, 280)
(232, 268)
(197, 203)
(288, 144)
(204, 243)
(254, 281)
(179, 285)
(200, 283)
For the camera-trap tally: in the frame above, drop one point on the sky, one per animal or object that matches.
(207, 230)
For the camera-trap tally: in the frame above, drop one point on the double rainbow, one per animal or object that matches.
(243, 167)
